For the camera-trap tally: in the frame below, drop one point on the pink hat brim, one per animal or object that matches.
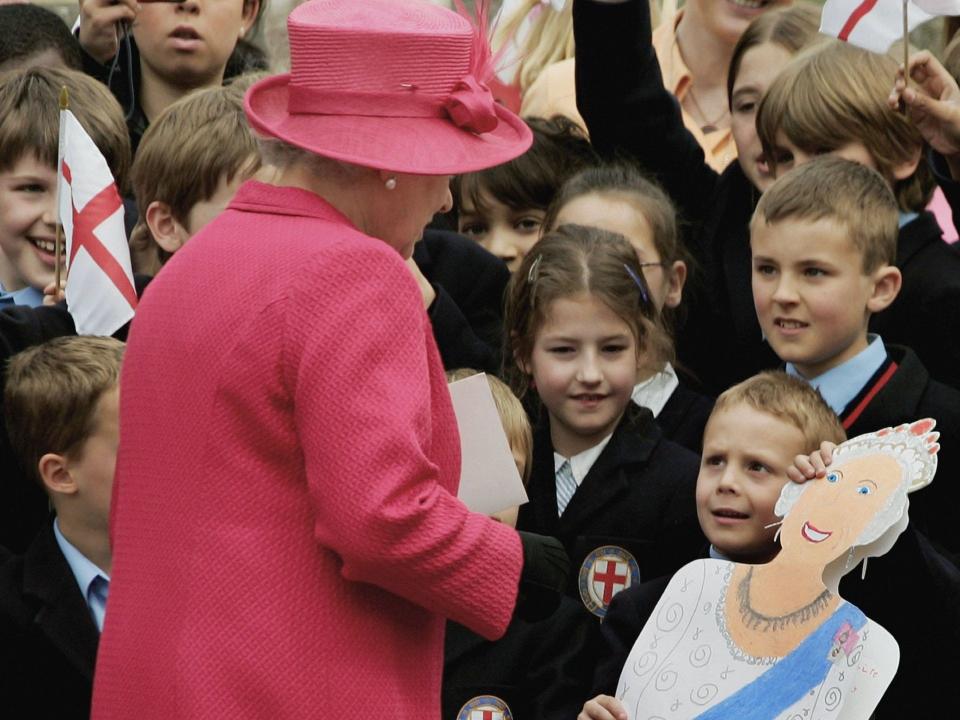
(419, 146)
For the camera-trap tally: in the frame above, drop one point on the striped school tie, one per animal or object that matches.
(566, 486)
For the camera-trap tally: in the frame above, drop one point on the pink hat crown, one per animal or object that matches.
(386, 58)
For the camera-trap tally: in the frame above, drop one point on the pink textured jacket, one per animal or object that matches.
(286, 537)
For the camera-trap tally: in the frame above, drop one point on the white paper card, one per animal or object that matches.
(489, 480)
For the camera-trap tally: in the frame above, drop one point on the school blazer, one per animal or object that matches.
(539, 670)
(638, 496)
(684, 417)
(909, 393)
(48, 639)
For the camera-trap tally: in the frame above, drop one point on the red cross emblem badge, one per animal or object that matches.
(605, 572)
(485, 707)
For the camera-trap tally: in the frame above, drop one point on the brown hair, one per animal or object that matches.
(184, 154)
(571, 260)
(30, 118)
(513, 417)
(51, 395)
(836, 94)
(792, 28)
(790, 399)
(846, 192)
(529, 181)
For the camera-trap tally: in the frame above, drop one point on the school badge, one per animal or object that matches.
(605, 572)
(485, 707)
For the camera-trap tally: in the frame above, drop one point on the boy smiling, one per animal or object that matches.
(824, 242)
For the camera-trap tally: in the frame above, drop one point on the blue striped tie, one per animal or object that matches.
(566, 486)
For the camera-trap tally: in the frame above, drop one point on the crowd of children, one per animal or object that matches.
(617, 277)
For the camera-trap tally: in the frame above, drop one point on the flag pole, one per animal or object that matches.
(58, 244)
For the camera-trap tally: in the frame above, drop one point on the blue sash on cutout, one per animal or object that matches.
(791, 677)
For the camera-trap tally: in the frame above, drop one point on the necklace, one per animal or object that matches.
(754, 620)
(708, 125)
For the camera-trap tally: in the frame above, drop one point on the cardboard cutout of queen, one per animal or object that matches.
(776, 640)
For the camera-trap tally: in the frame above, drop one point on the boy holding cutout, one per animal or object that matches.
(824, 242)
(61, 408)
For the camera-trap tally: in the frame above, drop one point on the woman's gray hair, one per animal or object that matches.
(282, 154)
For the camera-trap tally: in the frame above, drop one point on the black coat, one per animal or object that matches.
(912, 591)
(467, 314)
(48, 639)
(684, 417)
(910, 394)
(638, 496)
(541, 670)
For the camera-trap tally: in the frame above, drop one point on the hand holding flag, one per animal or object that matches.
(100, 292)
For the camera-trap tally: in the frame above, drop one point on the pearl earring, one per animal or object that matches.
(391, 183)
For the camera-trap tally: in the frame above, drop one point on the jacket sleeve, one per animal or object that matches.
(371, 410)
(628, 111)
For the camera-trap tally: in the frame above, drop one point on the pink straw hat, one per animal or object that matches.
(388, 84)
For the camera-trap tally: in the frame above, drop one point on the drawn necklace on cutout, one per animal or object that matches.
(758, 621)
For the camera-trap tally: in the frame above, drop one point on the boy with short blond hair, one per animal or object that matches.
(61, 411)
(754, 432)
(29, 135)
(821, 241)
(204, 137)
(833, 99)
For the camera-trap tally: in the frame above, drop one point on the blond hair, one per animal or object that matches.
(30, 118)
(850, 194)
(549, 40)
(193, 144)
(789, 399)
(51, 395)
(835, 94)
(574, 260)
(513, 417)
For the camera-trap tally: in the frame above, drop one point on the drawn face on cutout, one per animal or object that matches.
(831, 514)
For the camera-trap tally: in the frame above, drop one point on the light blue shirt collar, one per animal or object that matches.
(907, 218)
(86, 574)
(716, 554)
(841, 384)
(29, 296)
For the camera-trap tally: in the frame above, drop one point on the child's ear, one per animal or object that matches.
(164, 227)
(250, 10)
(909, 166)
(55, 475)
(886, 286)
(677, 277)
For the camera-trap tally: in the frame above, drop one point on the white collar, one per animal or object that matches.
(654, 392)
(581, 462)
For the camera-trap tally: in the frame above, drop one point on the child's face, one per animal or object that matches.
(584, 365)
(507, 233)
(92, 465)
(789, 156)
(28, 224)
(759, 66)
(615, 213)
(812, 297)
(746, 454)
(188, 44)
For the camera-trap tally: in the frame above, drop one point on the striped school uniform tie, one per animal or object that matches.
(566, 486)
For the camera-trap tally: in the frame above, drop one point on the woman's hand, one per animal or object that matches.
(99, 26)
(933, 105)
(603, 707)
(808, 467)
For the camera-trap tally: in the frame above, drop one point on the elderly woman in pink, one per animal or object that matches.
(287, 540)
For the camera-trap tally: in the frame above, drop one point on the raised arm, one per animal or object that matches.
(628, 111)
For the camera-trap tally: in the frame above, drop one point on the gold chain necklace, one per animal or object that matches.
(708, 125)
(754, 620)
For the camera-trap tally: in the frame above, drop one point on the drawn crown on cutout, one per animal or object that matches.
(914, 445)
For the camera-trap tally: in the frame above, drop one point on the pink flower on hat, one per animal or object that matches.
(471, 106)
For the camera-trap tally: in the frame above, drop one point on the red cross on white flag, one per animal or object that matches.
(877, 24)
(100, 292)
